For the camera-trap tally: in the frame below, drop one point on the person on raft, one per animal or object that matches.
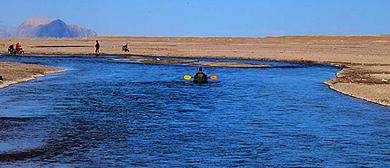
(200, 77)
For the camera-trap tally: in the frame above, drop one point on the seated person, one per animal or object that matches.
(125, 48)
(200, 76)
(18, 48)
(11, 49)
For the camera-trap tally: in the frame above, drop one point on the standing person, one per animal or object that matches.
(97, 46)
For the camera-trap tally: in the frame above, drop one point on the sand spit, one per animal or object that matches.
(370, 83)
(13, 73)
(375, 93)
(367, 53)
(156, 60)
(230, 64)
(190, 62)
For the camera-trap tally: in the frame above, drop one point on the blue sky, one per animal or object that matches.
(256, 18)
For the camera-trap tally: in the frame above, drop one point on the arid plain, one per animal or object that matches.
(366, 58)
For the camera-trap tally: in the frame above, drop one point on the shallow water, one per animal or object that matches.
(106, 113)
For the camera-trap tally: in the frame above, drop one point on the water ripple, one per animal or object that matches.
(102, 113)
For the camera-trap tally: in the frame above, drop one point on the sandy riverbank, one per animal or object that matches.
(13, 73)
(369, 56)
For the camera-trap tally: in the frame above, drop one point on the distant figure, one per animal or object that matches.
(11, 49)
(17, 47)
(125, 48)
(97, 46)
(200, 77)
(17, 50)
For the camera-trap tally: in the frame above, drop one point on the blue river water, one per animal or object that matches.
(103, 113)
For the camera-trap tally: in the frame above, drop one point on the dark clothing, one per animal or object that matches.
(11, 49)
(200, 77)
(97, 46)
(125, 48)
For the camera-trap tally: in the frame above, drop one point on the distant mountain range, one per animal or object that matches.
(40, 27)
(6, 31)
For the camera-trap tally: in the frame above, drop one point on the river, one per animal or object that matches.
(104, 113)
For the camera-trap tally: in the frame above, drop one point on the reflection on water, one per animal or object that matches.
(106, 113)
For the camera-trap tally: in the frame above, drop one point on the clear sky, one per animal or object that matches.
(257, 18)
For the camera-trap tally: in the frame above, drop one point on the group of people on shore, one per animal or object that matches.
(15, 50)
(125, 48)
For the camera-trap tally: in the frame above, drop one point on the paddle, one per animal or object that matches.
(188, 77)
